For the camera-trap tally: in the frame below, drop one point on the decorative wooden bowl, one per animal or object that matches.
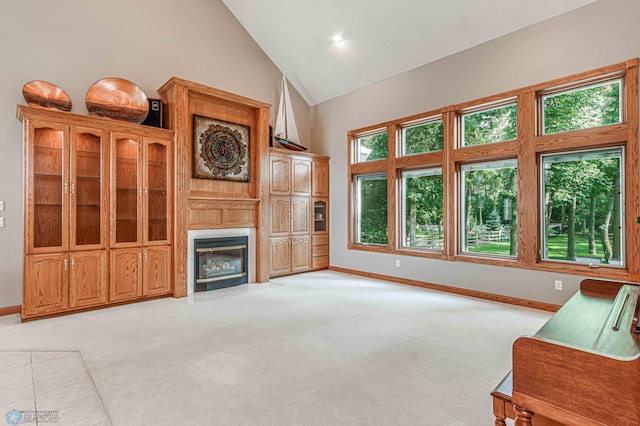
(46, 95)
(118, 99)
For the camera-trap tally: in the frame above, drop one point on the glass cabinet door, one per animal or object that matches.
(87, 189)
(48, 218)
(157, 191)
(125, 181)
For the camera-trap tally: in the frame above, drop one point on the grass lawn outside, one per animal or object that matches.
(556, 248)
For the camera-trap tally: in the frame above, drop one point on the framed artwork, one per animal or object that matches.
(220, 149)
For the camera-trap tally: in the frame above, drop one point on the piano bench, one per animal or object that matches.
(503, 406)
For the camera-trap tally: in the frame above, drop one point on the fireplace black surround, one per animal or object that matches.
(220, 262)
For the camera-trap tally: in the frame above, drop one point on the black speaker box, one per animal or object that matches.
(155, 113)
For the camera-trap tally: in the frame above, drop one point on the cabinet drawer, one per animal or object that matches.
(320, 262)
(320, 240)
(320, 251)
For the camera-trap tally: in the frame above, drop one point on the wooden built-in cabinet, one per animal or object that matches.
(320, 177)
(320, 218)
(93, 187)
(295, 219)
(88, 279)
(137, 272)
(140, 228)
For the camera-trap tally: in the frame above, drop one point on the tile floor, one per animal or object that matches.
(48, 388)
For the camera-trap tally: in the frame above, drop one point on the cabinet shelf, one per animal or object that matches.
(89, 178)
(48, 175)
(48, 204)
(88, 154)
(127, 160)
(46, 148)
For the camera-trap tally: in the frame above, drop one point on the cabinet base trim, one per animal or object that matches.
(93, 308)
(10, 310)
(455, 290)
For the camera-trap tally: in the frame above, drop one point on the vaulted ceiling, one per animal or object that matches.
(381, 38)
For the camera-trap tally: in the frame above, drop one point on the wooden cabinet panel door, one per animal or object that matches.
(301, 170)
(157, 192)
(279, 256)
(46, 284)
(280, 175)
(300, 254)
(280, 216)
(126, 190)
(126, 274)
(300, 215)
(47, 187)
(157, 270)
(320, 178)
(89, 188)
(88, 279)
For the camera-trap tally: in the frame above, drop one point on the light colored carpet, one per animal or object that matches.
(321, 348)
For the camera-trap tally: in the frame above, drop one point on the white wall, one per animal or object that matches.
(600, 34)
(74, 43)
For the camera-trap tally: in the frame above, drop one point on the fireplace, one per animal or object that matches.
(220, 262)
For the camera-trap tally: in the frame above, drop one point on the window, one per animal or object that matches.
(593, 106)
(490, 125)
(489, 211)
(425, 137)
(372, 147)
(462, 182)
(582, 206)
(371, 221)
(422, 207)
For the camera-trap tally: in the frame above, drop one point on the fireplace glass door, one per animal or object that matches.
(220, 262)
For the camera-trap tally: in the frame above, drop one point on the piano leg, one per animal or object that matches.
(500, 410)
(523, 417)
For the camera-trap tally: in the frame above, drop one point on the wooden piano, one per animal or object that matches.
(582, 367)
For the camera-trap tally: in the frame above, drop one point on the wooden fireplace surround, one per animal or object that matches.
(204, 203)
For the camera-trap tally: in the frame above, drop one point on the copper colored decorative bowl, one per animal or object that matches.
(118, 99)
(46, 95)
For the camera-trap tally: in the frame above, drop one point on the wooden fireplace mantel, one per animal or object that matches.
(205, 203)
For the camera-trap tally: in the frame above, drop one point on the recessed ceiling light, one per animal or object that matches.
(337, 38)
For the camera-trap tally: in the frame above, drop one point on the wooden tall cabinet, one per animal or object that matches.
(140, 228)
(294, 178)
(320, 218)
(86, 197)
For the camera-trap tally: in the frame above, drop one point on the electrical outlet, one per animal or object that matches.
(1, 206)
(1, 222)
(397, 263)
(558, 285)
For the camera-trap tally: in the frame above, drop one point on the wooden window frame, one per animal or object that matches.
(460, 214)
(401, 232)
(527, 148)
(393, 166)
(479, 106)
(416, 123)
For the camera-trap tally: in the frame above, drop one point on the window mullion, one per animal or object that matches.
(451, 187)
(392, 187)
(528, 184)
(632, 209)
